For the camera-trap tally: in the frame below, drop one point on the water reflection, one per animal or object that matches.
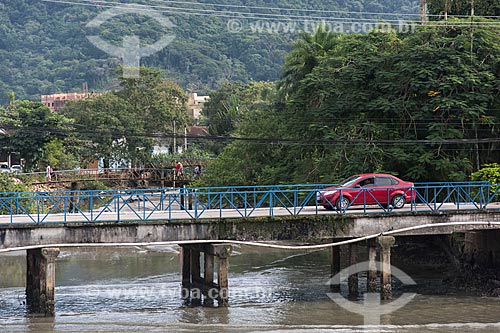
(41, 324)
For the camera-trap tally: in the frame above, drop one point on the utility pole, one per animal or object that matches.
(185, 139)
(175, 142)
(472, 59)
(471, 29)
(423, 11)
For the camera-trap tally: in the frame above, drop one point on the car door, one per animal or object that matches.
(383, 189)
(365, 187)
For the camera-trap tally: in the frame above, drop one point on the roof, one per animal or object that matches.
(375, 175)
(198, 130)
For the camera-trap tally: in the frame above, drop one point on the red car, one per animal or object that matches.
(367, 189)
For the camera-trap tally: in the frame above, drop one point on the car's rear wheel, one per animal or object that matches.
(342, 203)
(398, 201)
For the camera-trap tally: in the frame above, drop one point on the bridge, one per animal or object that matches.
(206, 221)
(160, 175)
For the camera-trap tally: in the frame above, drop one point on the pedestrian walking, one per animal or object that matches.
(48, 173)
(197, 171)
(179, 169)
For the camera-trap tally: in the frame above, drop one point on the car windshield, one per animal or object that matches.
(349, 181)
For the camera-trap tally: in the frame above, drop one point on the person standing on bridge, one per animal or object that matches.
(48, 173)
(197, 171)
(179, 169)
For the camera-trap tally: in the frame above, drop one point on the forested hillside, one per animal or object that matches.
(44, 49)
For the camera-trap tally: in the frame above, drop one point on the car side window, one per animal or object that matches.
(366, 182)
(383, 181)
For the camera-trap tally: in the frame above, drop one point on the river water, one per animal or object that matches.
(138, 290)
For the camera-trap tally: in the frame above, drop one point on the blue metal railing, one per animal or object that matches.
(237, 201)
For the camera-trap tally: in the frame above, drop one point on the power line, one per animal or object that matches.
(266, 140)
(217, 13)
(288, 9)
(262, 16)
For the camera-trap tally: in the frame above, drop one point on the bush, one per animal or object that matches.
(489, 173)
(10, 184)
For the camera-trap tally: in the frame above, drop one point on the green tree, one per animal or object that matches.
(30, 126)
(462, 8)
(427, 83)
(221, 112)
(306, 53)
(246, 162)
(104, 123)
(124, 125)
(56, 155)
(422, 106)
(489, 173)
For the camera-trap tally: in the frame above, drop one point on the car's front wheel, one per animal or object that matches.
(342, 203)
(398, 201)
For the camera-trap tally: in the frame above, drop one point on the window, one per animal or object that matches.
(366, 182)
(384, 181)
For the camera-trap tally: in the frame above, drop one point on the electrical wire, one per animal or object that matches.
(216, 13)
(288, 9)
(416, 15)
(264, 140)
(264, 16)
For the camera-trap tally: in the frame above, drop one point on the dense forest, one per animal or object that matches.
(44, 49)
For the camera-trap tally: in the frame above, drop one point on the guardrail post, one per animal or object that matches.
(271, 193)
(117, 205)
(246, 204)
(195, 201)
(38, 209)
(295, 200)
(182, 190)
(17, 203)
(73, 200)
(91, 206)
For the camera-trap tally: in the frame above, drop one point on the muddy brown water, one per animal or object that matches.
(138, 290)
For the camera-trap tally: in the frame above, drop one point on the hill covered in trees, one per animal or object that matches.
(44, 47)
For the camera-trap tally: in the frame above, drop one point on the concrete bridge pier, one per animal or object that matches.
(41, 280)
(352, 280)
(335, 269)
(372, 268)
(385, 242)
(197, 287)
